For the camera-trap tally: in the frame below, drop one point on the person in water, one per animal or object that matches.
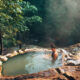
(54, 53)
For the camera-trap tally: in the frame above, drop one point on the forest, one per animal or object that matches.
(39, 40)
(38, 22)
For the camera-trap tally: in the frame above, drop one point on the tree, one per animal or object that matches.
(10, 16)
(30, 14)
(15, 16)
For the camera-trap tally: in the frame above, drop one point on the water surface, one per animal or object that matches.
(30, 63)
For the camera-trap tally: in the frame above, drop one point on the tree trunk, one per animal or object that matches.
(20, 42)
(0, 43)
(20, 46)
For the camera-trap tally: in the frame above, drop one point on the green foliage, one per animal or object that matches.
(30, 12)
(9, 42)
(27, 7)
(33, 19)
(10, 16)
(10, 13)
(15, 15)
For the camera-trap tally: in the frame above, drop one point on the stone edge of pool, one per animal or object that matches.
(4, 58)
(61, 73)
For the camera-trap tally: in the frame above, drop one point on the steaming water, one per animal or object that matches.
(63, 19)
(30, 63)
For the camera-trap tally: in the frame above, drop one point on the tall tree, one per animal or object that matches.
(10, 15)
(30, 14)
(15, 16)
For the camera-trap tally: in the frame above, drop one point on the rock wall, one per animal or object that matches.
(62, 73)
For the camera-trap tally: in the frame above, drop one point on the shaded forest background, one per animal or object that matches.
(61, 22)
(46, 22)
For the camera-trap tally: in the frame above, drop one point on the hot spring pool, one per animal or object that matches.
(30, 63)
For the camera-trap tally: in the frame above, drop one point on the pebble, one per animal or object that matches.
(3, 58)
(15, 53)
(9, 55)
(73, 62)
(21, 52)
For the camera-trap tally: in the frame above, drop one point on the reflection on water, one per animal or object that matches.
(30, 63)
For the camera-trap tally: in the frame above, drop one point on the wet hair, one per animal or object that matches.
(52, 45)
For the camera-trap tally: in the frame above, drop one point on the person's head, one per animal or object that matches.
(52, 45)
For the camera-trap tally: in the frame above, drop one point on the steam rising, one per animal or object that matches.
(63, 16)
